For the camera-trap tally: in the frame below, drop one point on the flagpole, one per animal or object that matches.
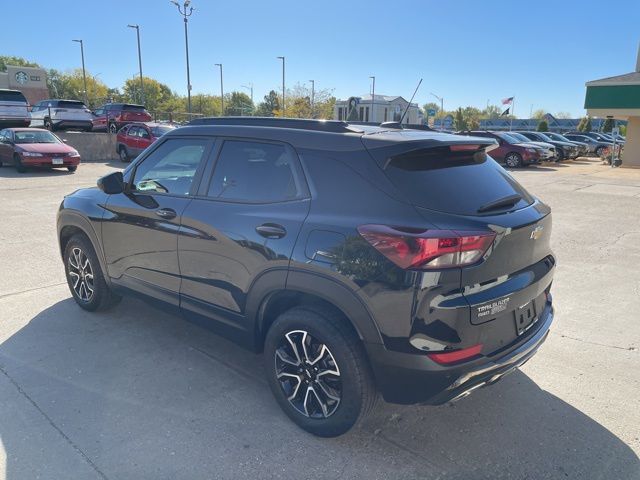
(513, 108)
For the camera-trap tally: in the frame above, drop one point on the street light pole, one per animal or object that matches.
(441, 109)
(284, 109)
(137, 27)
(313, 98)
(186, 12)
(221, 91)
(373, 98)
(84, 72)
(250, 88)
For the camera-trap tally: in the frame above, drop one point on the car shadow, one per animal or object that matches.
(8, 171)
(138, 393)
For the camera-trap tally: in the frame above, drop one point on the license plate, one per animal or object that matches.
(525, 317)
(57, 161)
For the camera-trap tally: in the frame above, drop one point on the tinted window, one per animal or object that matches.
(70, 104)
(159, 131)
(171, 168)
(133, 108)
(453, 182)
(256, 173)
(12, 96)
(132, 132)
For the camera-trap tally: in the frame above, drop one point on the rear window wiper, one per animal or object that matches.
(509, 201)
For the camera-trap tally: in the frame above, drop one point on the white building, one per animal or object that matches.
(384, 108)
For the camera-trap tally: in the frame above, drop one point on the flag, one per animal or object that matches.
(507, 101)
(506, 112)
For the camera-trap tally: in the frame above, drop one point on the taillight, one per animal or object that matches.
(455, 356)
(428, 249)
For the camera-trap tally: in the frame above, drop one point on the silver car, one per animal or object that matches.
(61, 115)
(14, 109)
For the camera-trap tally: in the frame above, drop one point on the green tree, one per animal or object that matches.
(459, 122)
(269, 105)
(492, 111)
(587, 125)
(538, 114)
(608, 125)
(17, 61)
(70, 85)
(238, 103)
(543, 126)
(157, 96)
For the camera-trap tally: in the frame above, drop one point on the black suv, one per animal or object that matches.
(357, 258)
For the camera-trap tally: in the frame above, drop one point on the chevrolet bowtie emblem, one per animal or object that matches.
(537, 232)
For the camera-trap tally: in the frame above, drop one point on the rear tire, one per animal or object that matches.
(124, 154)
(18, 163)
(324, 384)
(84, 276)
(113, 128)
(513, 160)
(599, 151)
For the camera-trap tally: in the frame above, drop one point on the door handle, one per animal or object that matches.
(271, 230)
(167, 213)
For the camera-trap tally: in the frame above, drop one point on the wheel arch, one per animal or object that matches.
(307, 289)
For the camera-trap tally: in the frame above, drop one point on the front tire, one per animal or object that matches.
(318, 371)
(513, 160)
(18, 163)
(72, 168)
(84, 276)
(124, 155)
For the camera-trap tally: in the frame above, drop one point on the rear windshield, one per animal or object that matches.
(159, 131)
(453, 182)
(133, 108)
(9, 96)
(70, 104)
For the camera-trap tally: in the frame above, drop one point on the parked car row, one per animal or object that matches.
(60, 114)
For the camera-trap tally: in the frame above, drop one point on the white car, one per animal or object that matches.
(14, 109)
(61, 114)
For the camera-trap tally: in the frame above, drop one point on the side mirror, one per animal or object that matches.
(112, 183)
(65, 140)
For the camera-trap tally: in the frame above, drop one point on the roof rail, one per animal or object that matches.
(332, 126)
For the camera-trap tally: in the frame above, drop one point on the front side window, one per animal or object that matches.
(170, 168)
(255, 172)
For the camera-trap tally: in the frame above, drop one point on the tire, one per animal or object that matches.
(18, 163)
(124, 154)
(599, 150)
(48, 124)
(513, 160)
(561, 155)
(331, 348)
(113, 128)
(72, 168)
(85, 277)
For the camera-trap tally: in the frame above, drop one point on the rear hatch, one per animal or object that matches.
(463, 189)
(71, 110)
(13, 104)
(135, 113)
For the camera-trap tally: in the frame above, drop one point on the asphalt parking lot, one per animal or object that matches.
(135, 393)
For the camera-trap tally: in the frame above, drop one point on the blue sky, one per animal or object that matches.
(469, 52)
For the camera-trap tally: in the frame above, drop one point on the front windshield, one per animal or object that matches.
(35, 136)
(519, 137)
(507, 137)
(159, 131)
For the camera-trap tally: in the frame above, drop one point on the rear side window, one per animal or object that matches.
(255, 172)
(12, 96)
(458, 182)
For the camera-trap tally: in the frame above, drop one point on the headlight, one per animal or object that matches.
(531, 150)
(31, 154)
(73, 154)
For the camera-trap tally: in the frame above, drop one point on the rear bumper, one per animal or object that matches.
(84, 124)
(46, 162)
(8, 122)
(414, 378)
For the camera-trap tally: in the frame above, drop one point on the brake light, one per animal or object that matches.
(428, 249)
(454, 356)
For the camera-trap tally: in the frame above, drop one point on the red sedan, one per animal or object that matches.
(36, 147)
(132, 139)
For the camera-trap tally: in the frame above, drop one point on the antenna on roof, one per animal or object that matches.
(407, 109)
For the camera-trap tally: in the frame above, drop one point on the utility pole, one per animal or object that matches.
(284, 109)
(373, 98)
(250, 88)
(441, 110)
(186, 12)
(313, 99)
(84, 72)
(221, 91)
(137, 27)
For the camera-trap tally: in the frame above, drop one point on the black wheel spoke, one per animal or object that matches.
(81, 274)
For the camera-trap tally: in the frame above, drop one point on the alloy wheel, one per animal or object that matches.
(308, 374)
(81, 274)
(512, 160)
